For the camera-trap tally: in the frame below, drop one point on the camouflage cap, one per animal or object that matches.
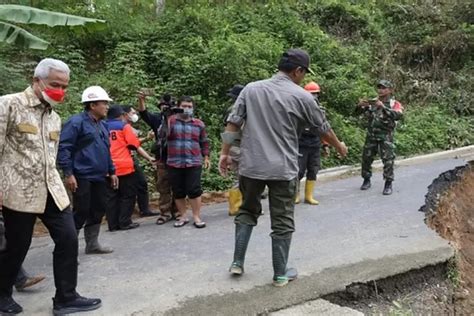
(385, 83)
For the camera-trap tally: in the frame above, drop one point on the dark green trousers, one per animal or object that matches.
(281, 196)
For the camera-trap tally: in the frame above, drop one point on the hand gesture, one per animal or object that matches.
(379, 104)
(141, 100)
(363, 103)
(141, 96)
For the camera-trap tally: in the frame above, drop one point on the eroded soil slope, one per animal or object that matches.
(450, 212)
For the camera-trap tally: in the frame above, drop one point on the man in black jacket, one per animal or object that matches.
(163, 186)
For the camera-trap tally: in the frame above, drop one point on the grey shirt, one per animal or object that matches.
(272, 113)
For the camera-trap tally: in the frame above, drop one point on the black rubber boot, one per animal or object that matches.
(242, 237)
(366, 185)
(280, 251)
(91, 236)
(387, 190)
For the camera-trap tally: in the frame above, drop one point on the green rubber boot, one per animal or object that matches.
(280, 251)
(242, 237)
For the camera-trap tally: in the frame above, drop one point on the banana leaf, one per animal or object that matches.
(12, 34)
(29, 15)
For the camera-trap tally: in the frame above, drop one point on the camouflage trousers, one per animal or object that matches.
(163, 186)
(386, 150)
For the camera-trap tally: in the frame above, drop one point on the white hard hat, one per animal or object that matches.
(95, 93)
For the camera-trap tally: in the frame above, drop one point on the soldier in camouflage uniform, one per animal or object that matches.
(382, 114)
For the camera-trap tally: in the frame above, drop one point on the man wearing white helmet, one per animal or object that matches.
(84, 157)
(31, 187)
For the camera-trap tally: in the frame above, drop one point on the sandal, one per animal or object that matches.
(199, 224)
(181, 223)
(163, 219)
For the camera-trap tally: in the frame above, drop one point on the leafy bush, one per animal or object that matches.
(202, 48)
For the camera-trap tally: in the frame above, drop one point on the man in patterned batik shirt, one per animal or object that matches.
(31, 187)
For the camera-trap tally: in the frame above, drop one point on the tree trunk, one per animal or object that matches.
(160, 6)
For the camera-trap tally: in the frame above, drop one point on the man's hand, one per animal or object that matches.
(224, 164)
(153, 161)
(150, 135)
(207, 163)
(71, 183)
(326, 151)
(342, 149)
(379, 104)
(114, 182)
(363, 103)
(141, 101)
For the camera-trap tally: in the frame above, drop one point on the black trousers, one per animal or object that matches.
(22, 275)
(309, 162)
(142, 189)
(18, 233)
(185, 182)
(89, 202)
(121, 202)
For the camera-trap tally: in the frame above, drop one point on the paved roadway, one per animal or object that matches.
(351, 236)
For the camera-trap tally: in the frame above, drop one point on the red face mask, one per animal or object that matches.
(53, 96)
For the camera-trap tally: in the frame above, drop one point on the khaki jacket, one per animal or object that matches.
(29, 136)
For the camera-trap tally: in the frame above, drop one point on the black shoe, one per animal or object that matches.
(79, 304)
(387, 190)
(366, 185)
(149, 214)
(8, 306)
(130, 226)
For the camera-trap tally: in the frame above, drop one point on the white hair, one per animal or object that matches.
(44, 67)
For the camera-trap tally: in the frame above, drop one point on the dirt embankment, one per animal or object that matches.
(417, 292)
(449, 211)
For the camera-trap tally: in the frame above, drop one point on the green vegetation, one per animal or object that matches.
(400, 308)
(452, 273)
(11, 15)
(203, 47)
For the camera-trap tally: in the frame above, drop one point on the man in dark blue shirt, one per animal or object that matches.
(84, 157)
